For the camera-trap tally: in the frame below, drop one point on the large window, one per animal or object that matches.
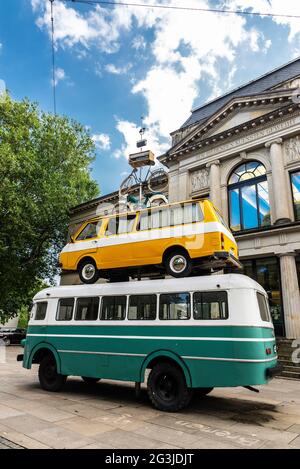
(210, 305)
(249, 197)
(87, 309)
(295, 179)
(65, 309)
(174, 306)
(142, 307)
(266, 272)
(113, 308)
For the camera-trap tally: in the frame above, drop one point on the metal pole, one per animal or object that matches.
(53, 57)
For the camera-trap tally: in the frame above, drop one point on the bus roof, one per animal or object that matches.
(171, 285)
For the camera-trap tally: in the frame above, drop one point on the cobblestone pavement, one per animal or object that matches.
(108, 415)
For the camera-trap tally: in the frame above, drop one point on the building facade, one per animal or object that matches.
(243, 151)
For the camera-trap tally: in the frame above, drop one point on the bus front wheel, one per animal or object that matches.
(178, 264)
(167, 388)
(50, 380)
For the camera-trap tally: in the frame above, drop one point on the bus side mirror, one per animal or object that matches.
(72, 239)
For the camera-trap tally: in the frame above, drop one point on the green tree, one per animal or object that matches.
(44, 171)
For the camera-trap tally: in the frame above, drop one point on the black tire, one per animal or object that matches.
(88, 271)
(89, 380)
(50, 380)
(178, 264)
(167, 388)
(201, 392)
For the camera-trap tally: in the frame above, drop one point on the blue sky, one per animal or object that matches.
(116, 64)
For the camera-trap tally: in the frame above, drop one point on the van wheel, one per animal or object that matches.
(89, 380)
(178, 264)
(167, 388)
(50, 380)
(201, 392)
(88, 272)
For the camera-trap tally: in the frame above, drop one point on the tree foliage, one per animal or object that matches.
(44, 171)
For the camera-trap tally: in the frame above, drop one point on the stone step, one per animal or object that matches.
(293, 369)
(285, 363)
(290, 375)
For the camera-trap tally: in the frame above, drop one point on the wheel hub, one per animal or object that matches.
(178, 263)
(88, 271)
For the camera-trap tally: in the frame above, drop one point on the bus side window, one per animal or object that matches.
(91, 230)
(87, 309)
(65, 309)
(40, 312)
(142, 307)
(113, 308)
(263, 307)
(126, 224)
(174, 306)
(210, 305)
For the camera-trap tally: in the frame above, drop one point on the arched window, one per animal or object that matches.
(249, 204)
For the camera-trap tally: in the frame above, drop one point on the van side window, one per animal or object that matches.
(142, 307)
(41, 309)
(113, 308)
(87, 309)
(210, 305)
(174, 306)
(65, 309)
(91, 230)
(263, 307)
(120, 225)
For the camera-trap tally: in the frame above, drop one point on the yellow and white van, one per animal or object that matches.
(177, 237)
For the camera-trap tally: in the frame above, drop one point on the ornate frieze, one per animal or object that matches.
(292, 149)
(200, 179)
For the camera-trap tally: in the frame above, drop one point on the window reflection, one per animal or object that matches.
(249, 197)
(295, 177)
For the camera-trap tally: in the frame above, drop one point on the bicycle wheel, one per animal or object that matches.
(158, 180)
(156, 200)
(127, 184)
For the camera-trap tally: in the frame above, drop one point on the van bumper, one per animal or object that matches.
(274, 371)
(228, 258)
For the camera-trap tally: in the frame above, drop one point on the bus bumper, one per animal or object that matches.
(274, 371)
(228, 258)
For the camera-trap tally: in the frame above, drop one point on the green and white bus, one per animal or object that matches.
(195, 332)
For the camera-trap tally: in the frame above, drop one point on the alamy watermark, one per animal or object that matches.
(296, 352)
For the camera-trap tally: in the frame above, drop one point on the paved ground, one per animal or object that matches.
(109, 416)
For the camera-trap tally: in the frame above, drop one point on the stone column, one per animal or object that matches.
(215, 183)
(280, 191)
(290, 294)
(183, 185)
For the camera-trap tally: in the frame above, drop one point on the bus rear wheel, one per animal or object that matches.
(88, 271)
(50, 380)
(167, 388)
(178, 264)
(89, 380)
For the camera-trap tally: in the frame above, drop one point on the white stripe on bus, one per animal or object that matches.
(150, 235)
(244, 360)
(223, 339)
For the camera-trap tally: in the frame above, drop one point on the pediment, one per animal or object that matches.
(240, 117)
(234, 115)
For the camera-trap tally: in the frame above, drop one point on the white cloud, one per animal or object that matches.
(102, 141)
(59, 75)
(1, 46)
(111, 68)
(139, 42)
(186, 51)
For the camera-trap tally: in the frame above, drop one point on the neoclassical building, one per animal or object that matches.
(243, 151)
